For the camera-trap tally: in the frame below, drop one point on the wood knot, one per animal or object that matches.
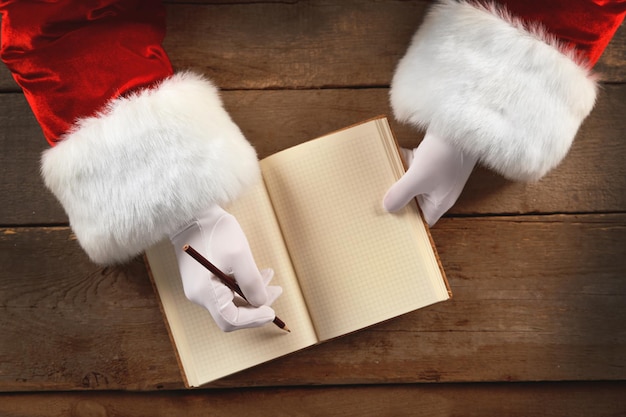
(94, 380)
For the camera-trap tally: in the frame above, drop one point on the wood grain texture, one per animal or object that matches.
(66, 322)
(443, 400)
(591, 178)
(24, 198)
(536, 298)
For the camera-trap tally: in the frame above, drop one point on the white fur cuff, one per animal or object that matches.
(146, 165)
(503, 93)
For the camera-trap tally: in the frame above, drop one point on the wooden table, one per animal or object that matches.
(537, 325)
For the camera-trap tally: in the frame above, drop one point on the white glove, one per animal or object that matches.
(437, 174)
(217, 235)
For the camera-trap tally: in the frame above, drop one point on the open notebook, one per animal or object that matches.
(343, 262)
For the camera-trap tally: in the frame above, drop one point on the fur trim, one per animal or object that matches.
(146, 165)
(507, 94)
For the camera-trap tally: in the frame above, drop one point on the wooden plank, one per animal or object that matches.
(68, 323)
(298, 45)
(313, 44)
(309, 44)
(434, 400)
(22, 192)
(537, 298)
(592, 177)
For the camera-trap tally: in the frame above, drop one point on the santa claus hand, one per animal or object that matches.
(436, 176)
(217, 236)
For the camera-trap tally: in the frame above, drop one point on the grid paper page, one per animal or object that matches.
(206, 352)
(357, 264)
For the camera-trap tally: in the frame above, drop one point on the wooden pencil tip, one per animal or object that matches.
(286, 329)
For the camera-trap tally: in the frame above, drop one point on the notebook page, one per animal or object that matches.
(357, 264)
(206, 353)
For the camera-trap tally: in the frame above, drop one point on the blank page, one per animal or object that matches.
(357, 264)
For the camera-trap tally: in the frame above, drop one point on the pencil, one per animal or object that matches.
(227, 280)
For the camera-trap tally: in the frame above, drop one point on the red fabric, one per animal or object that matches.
(72, 57)
(586, 25)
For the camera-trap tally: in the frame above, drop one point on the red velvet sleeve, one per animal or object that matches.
(72, 57)
(585, 25)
